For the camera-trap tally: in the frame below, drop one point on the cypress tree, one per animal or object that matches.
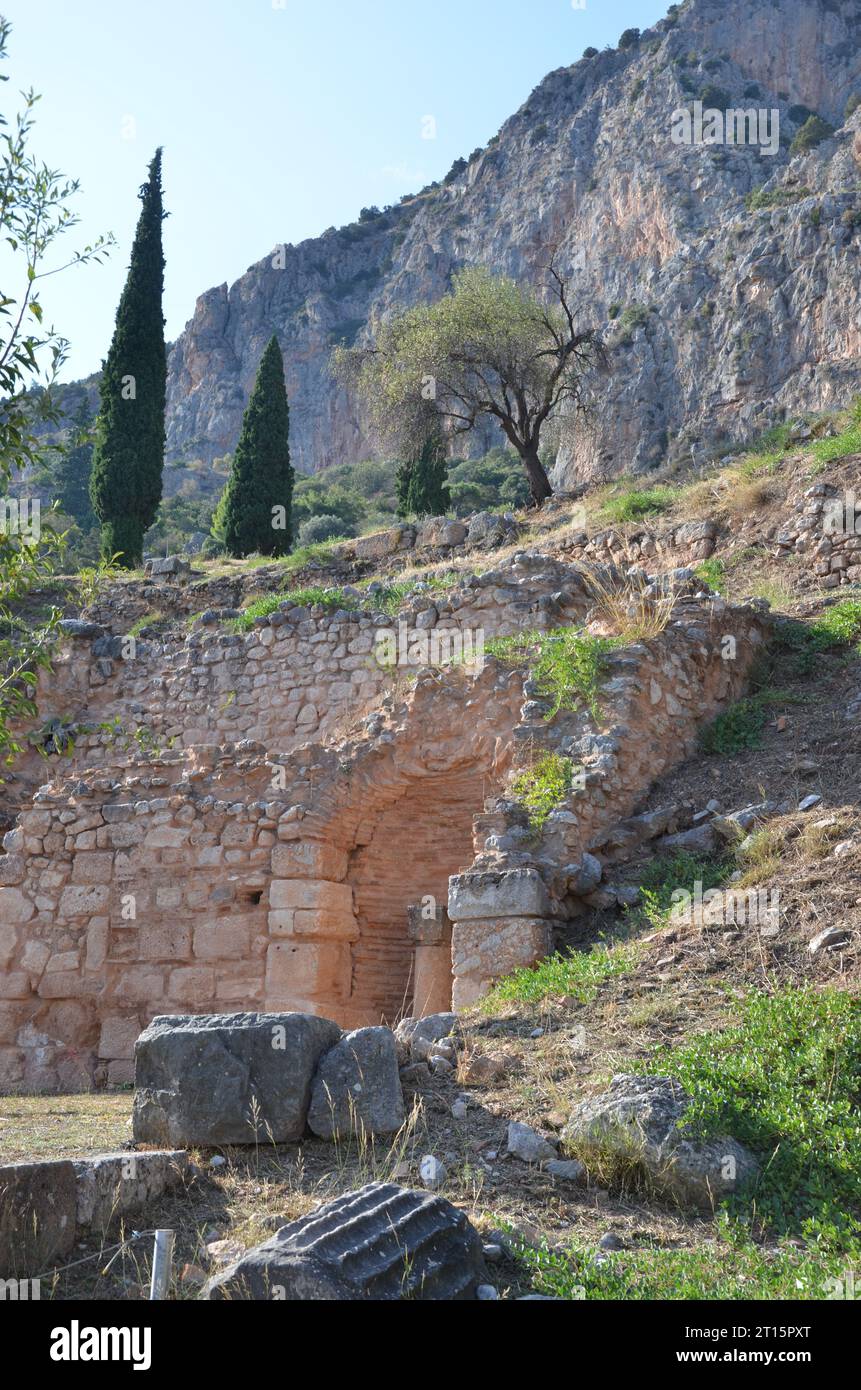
(259, 493)
(420, 483)
(128, 458)
(74, 465)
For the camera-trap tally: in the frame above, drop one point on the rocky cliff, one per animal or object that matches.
(725, 277)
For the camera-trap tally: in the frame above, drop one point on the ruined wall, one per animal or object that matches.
(298, 675)
(660, 693)
(232, 878)
(230, 881)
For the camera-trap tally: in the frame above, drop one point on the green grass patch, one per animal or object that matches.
(567, 665)
(785, 1082)
(575, 974)
(321, 552)
(726, 1271)
(849, 442)
(839, 626)
(300, 598)
(712, 572)
(741, 726)
(660, 878)
(634, 503)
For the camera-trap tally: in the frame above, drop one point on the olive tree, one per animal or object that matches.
(491, 349)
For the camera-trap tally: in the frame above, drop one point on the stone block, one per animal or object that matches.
(119, 1034)
(220, 1078)
(506, 893)
(38, 1204)
(485, 951)
(83, 900)
(300, 971)
(357, 1088)
(15, 908)
(112, 1186)
(92, 868)
(165, 940)
(226, 938)
(307, 859)
(314, 894)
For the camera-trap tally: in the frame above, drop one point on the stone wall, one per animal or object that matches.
(299, 674)
(232, 877)
(659, 695)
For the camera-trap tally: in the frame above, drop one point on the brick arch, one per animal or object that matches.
(418, 840)
(388, 829)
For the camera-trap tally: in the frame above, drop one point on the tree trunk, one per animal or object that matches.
(539, 483)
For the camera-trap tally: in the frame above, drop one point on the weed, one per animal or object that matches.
(784, 1082)
(567, 665)
(577, 975)
(542, 786)
(741, 726)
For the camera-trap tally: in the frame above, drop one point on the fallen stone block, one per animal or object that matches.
(383, 1242)
(227, 1078)
(37, 1216)
(418, 1035)
(637, 1122)
(113, 1185)
(357, 1088)
(528, 1145)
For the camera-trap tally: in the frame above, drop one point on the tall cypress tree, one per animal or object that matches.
(259, 492)
(420, 483)
(128, 458)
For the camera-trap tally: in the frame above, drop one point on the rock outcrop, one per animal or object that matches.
(639, 1122)
(724, 276)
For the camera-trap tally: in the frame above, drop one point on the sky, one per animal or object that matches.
(278, 118)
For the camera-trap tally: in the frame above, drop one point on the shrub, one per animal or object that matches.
(811, 134)
(320, 528)
(741, 725)
(567, 665)
(630, 38)
(590, 52)
(717, 97)
(852, 105)
(541, 787)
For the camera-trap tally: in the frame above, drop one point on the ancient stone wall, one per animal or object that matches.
(298, 674)
(230, 877)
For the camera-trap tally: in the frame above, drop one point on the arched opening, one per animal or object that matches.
(412, 845)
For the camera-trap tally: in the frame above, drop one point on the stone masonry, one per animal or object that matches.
(310, 870)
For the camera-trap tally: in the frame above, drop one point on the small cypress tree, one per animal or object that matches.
(74, 465)
(259, 494)
(421, 486)
(128, 458)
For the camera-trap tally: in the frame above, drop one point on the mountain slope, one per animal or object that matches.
(722, 316)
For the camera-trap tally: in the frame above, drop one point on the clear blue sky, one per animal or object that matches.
(279, 118)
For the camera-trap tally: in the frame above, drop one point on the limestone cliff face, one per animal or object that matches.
(722, 316)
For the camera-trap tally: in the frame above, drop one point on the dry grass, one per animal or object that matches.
(626, 607)
(62, 1126)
